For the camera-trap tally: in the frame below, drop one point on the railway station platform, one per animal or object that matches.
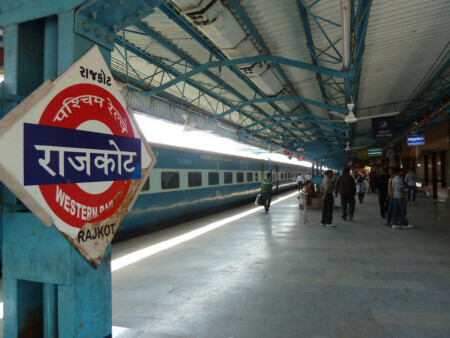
(244, 273)
(271, 275)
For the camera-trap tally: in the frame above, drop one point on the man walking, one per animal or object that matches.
(411, 180)
(266, 191)
(345, 185)
(327, 197)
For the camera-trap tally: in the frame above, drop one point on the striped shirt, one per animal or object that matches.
(397, 185)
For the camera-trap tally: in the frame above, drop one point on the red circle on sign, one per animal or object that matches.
(70, 108)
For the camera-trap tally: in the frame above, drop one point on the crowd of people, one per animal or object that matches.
(390, 187)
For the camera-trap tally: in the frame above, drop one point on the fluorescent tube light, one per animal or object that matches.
(345, 25)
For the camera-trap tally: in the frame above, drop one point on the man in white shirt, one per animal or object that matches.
(308, 178)
(411, 180)
(300, 181)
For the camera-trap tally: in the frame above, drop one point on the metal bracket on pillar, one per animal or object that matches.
(99, 21)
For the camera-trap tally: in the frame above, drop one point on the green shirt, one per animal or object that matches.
(267, 185)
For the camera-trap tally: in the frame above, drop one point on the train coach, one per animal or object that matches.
(185, 182)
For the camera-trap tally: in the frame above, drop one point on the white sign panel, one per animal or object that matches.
(74, 156)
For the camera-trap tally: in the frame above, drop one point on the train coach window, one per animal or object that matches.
(249, 177)
(146, 186)
(213, 178)
(256, 177)
(195, 179)
(239, 177)
(170, 180)
(228, 178)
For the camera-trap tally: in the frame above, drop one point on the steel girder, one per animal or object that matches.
(320, 130)
(172, 106)
(174, 73)
(295, 121)
(195, 65)
(175, 17)
(279, 99)
(169, 70)
(254, 34)
(252, 59)
(436, 90)
(359, 25)
(330, 88)
(303, 10)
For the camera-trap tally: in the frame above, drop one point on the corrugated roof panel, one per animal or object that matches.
(404, 38)
(404, 44)
(279, 24)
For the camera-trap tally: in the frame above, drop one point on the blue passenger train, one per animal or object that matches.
(186, 182)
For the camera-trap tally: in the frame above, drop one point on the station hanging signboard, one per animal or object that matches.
(383, 127)
(416, 140)
(362, 154)
(74, 155)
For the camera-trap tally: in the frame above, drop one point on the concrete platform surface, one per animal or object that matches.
(271, 275)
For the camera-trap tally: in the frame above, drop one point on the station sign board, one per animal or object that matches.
(416, 140)
(362, 154)
(383, 127)
(74, 155)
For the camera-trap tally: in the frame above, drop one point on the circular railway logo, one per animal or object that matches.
(83, 154)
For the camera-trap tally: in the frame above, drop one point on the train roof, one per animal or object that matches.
(236, 156)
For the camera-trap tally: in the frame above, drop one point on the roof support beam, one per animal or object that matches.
(298, 121)
(148, 58)
(175, 17)
(280, 99)
(328, 138)
(317, 119)
(194, 63)
(307, 129)
(253, 59)
(263, 46)
(302, 9)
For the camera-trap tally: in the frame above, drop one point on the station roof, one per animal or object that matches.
(282, 74)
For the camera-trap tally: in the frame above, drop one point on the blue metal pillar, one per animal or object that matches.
(320, 167)
(49, 289)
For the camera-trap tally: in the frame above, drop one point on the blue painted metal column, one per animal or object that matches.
(320, 167)
(49, 289)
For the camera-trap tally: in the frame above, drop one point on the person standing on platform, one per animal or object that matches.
(300, 181)
(390, 206)
(308, 178)
(266, 191)
(399, 202)
(373, 181)
(411, 180)
(383, 182)
(360, 188)
(345, 185)
(327, 197)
